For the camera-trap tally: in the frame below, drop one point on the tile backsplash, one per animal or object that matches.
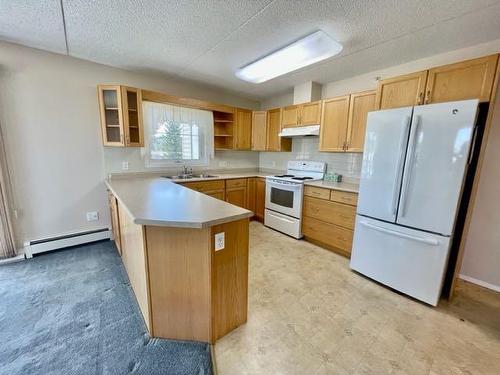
(306, 148)
(114, 157)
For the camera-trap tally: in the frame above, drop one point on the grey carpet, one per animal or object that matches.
(73, 312)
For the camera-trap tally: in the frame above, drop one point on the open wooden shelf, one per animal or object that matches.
(112, 126)
(223, 135)
(111, 109)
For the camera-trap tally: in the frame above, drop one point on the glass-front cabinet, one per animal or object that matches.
(121, 116)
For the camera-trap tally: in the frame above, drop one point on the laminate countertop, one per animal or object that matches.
(158, 201)
(342, 186)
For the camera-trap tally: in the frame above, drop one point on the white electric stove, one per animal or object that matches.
(284, 195)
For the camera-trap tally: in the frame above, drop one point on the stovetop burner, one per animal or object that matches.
(302, 178)
(285, 175)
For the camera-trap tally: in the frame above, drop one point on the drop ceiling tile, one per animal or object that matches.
(149, 34)
(358, 25)
(35, 24)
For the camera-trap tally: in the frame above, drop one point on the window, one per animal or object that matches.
(177, 135)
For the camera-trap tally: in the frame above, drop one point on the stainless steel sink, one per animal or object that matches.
(203, 175)
(189, 176)
(180, 177)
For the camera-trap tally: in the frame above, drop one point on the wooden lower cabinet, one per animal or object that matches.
(184, 288)
(328, 234)
(260, 198)
(220, 194)
(115, 221)
(328, 218)
(237, 196)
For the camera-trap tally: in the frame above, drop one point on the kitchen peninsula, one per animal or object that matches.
(185, 288)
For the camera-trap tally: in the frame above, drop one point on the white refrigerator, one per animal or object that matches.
(414, 166)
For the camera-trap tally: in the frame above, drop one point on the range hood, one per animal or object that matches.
(301, 131)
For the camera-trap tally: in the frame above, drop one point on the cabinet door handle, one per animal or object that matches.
(428, 97)
(419, 97)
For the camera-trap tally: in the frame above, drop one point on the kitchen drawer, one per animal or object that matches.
(328, 234)
(344, 197)
(204, 186)
(317, 192)
(237, 182)
(330, 212)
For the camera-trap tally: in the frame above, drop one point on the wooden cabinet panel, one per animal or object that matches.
(361, 103)
(134, 257)
(317, 192)
(328, 234)
(217, 194)
(132, 116)
(274, 141)
(236, 182)
(243, 133)
(472, 79)
(330, 212)
(115, 221)
(310, 113)
(290, 116)
(111, 113)
(334, 120)
(251, 182)
(237, 196)
(205, 186)
(229, 278)
(259, 130)
(402, 91)
(344, 197)
(260, 198)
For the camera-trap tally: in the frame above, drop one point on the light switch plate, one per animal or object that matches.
(219, 241)
(125, 165)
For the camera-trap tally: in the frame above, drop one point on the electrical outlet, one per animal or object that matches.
(219, 241)
(92, 216)
(125, 165)
(223, 163)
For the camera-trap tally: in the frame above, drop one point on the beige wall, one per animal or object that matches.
(482, 250)
(482, 258)
(49, 116)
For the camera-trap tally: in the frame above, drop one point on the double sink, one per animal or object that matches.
(190, 176)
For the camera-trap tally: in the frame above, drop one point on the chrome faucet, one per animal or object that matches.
(186, 171)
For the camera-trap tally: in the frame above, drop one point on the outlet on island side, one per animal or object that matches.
(92, 216)
(219, 241)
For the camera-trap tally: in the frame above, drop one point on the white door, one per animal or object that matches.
(407, 260)
(383, 157)
(438, 152)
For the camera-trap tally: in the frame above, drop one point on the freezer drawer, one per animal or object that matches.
(410, 261)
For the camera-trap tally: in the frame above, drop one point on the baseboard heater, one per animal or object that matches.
(60, 242)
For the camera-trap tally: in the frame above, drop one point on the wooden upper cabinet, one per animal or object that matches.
(110, 108)
(290, 116)
(471, 79)
(259, 130)
(274, 141)
(334, 121)
(402, 91)
(310, 113)
(132, 116)
(361, 103)
(121, 116)
(243, 133)
(301, 114)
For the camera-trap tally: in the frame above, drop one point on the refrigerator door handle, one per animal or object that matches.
(410, 162)
(399, 167)
(428, 241)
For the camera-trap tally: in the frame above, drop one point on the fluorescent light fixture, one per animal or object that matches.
(306, 51)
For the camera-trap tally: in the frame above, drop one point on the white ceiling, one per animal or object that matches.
(207, 40)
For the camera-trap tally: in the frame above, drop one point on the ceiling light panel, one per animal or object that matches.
(306, 51)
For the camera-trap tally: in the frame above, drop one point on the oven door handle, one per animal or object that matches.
(281, 218)
(290, 187)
